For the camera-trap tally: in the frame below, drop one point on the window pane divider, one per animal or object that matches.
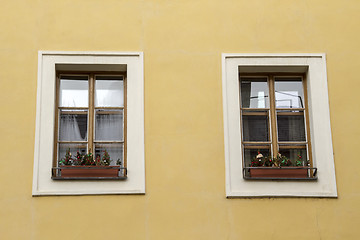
(290, 109)
(307, 123)
(255, 109)
(294, 142)
(81, 145)
(72, 142)
(73, 108)
(116, 108)
(75, 113)
(108, 142)
(91, 125)
(107, 112)
(255, 113)
(273, 125)
(267, 146)
(253, 142)
(293, 147)
(290, 113)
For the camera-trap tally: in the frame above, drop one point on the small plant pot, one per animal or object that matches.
(283, 172)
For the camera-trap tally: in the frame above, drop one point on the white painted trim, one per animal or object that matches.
(272, 55)
(89, 53)
(319, 115)
(43, 149)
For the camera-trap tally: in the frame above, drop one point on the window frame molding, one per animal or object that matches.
(314, 65)
(48, 62)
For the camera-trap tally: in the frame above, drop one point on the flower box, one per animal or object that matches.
(89, 171)
(275, 172)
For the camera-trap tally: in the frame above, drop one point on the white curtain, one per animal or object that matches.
(109, 127)
(69, 129)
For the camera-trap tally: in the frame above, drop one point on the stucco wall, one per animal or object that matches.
(182, 41)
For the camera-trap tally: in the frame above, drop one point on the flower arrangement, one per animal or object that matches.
(67, 160)
(279, 161)
(85, 159)
(105, 160)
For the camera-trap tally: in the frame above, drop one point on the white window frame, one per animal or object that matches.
(48, 61)
(319, 115)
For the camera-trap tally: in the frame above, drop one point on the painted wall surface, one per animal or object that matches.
(182, 41)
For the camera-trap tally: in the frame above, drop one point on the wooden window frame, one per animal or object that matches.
(274, 144)
(91, 109)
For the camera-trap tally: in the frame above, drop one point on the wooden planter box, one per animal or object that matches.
(89, 171)
(283, 172)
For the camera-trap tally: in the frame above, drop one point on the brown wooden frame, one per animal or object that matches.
(275, 145)
(90, 112)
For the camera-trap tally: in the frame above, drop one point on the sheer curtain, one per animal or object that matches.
(69, 128)
(109, 127)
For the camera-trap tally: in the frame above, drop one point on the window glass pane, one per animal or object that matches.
(109, 91)
(74, 91)
(66, 159)
(297, 156)
(115, 151)
(254, 92)
(250, 154)
(73, 127)
(255, 127)
(291, 126)
(289, 92)
(109, 125)
(250, 157)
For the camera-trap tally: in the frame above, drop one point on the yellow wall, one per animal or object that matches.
(182, 41)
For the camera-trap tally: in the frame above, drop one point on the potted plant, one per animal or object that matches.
(278, 167)
(85, 166)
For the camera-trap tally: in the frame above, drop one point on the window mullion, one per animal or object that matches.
(307, 123)
(91, 115)
(273, 116)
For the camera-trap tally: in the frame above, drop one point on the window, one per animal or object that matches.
(89, 126)
(264, 113)
(275, 128)
(73, 112)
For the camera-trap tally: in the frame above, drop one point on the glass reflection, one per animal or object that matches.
(254, 93)
(73, 91)
(289, 92)
(109, 91)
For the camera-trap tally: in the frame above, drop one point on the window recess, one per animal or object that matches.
(275, 127)
(90, 126)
